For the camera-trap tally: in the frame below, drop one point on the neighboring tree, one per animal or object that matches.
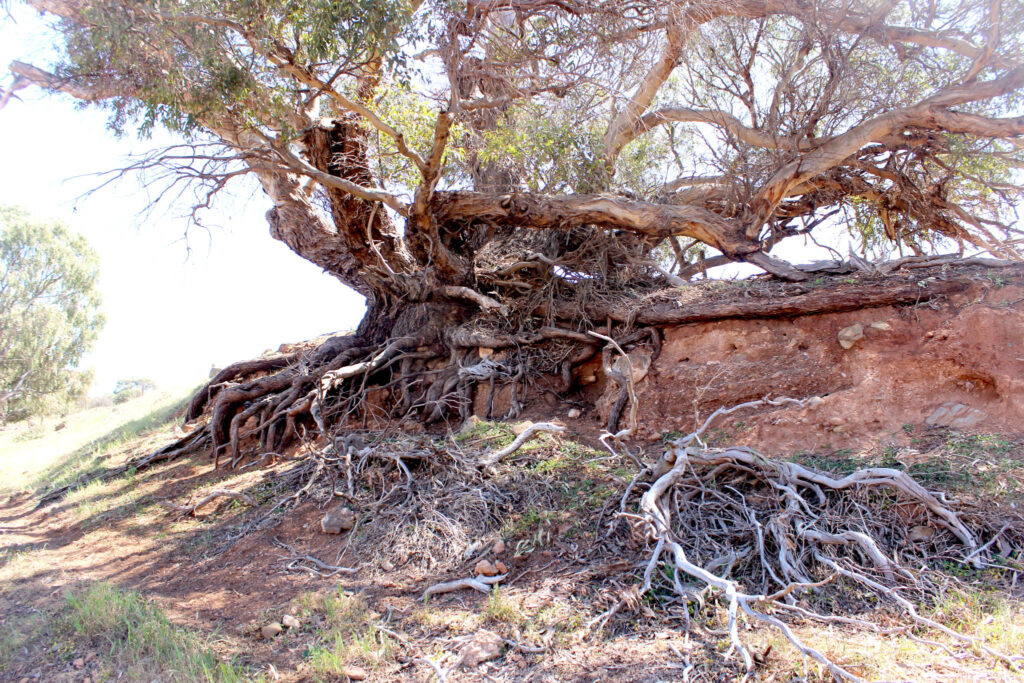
(49, 314)
(519, 173)
(127, 389)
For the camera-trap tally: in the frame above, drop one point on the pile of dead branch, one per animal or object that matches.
(777, 542)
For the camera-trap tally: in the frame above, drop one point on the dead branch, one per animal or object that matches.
(480, 583)
(489, 459)
(302, 562)
(786, 528)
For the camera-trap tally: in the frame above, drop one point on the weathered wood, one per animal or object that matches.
(832, 299)
(245, 368)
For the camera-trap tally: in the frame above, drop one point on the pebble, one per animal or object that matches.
(848, 336)
(498, 548)
(485, 568)
(290, 622)
(574, 413)
(337, 520)
(484, 646)
(271, 630)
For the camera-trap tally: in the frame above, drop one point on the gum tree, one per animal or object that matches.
(49, 314)
(519, 173)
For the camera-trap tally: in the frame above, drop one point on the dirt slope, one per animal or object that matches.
(957, 362)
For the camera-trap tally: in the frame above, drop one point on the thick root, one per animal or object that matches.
(760, 532)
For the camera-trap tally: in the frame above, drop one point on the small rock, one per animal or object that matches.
(354, 673)
(955, 415)
(485, 568)
(271, 630)
(337, 520)
(639, 362)
(881, 325)
(484, 646)
(588, 379)
(574, 413)
(500, 566)
(78, 663)
(387, 566)
(921, 534)
(499, 547)
(848, 336)
(290, 622)
(814, 402)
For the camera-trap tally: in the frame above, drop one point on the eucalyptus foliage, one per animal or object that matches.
(49, 314)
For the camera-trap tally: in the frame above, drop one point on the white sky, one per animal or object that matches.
(170, 314)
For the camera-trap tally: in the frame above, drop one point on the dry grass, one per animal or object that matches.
(131, 638)
(37, 455)
(542, 501)
(344, 632)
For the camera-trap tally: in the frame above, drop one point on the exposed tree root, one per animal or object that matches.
(192, 442)
(761, 532)
(491, 458)
(429, 363)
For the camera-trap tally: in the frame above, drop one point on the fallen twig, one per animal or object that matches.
(480, 583)
(320, 568)
(442, 677)
(489, 459)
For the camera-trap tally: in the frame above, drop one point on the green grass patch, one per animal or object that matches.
(501, 609)
(137, 640)
(346, 633)
(495, 435)
(89, 458)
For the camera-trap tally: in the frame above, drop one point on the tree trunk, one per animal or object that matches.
(474, 272)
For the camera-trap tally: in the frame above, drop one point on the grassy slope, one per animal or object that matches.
(34, 454)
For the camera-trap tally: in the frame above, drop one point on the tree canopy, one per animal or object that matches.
(732, 123)
(49, 313)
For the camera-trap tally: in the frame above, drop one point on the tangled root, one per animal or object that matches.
(760, 532)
